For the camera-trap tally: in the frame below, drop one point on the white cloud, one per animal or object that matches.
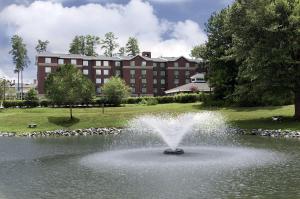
(169, 1)
(58, 24)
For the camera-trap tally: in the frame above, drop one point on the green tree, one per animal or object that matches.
(115, 90)
(41, 46)
(109, 44)
(267, 42)
(122, 51)
(132, 46)
(68, 86)
(77, 45)
(91, 44)
(199, 52)
(31, 95)
(20, 59)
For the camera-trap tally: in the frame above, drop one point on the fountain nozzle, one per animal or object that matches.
(174, 152)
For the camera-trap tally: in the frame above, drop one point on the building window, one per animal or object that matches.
(132, 72)
(144, 90)
(105, 80)
(106, 72)
(144, 72)
(61, 61)
(176, 64)
(73, 61)
(98, 72)
(85, 71)
(98, 63)
(132, 89)
(48, 60)
(117, 63)
(154, 81)
(85, 63)
(162, 81)
(155, 90)
(144, 81)
(154, 73)
(187, 81)
(98, 90)
(176, 81)
(132, 63)
(47, 69)
(187, 65)
(154, 65)
(98, 81)
(118, 73)
(105, 63)
(144, 63)
(176, 72)
(162, 65)
(162, 73)
(132, 81)
(187, 73)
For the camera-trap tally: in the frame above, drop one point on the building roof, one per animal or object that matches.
(114, 58)
(202, 87)
(198, 75)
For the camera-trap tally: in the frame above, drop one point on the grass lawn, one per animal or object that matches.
(57, 118)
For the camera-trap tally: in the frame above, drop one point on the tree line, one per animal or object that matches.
(253, 51)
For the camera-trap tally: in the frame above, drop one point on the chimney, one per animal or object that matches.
(146, 54)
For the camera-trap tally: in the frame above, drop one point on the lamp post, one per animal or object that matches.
(4, 85)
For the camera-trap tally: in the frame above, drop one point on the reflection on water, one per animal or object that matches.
(53, 168)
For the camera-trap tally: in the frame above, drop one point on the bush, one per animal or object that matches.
(152, 101)
(45, 103)
(13, 103)
(115, 90)
(186, 98)
(165, 99)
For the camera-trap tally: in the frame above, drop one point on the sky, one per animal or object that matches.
(164, 27)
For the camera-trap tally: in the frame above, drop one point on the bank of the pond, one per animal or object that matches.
(51, 119)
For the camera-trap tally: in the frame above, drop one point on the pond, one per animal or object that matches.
(135, 167)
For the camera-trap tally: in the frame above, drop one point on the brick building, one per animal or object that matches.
(145, 75)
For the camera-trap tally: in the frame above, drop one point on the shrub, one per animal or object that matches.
(186, 98)
(115, 90)
(13, 103)
(152, 101)
(45, 103)
(165, 99)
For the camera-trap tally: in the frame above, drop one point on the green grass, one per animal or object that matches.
(16, 120)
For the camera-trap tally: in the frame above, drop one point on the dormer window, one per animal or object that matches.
(132, 63)
(144, 63)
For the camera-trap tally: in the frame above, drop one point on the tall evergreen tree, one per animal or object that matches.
(132, 46)
(122, 51)
(91, 43)
(20, 59)
(77, 45)
(109, 44)
(41, 46)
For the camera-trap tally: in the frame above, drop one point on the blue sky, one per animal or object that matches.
(159, 25)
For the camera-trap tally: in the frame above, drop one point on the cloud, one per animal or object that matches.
(169, 1)
(48, 20)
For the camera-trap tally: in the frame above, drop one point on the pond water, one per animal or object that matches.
(115, 167)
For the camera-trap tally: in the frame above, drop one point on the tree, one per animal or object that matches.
(68, 86)
(20, 58)
(109, 44)
(77, 45)
(41, 46)
(132, 46)
(267, 42)
(122, 51)
(199, 52)
(91, 42)
(32, 95)
(115, 90)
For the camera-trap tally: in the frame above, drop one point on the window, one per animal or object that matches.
(187, 81)
(117, 63)
(176, 81)
(98, 72)
(85, 63)
(105, 63)
(144, 63)
(187, 73)
(105, 80)
(144, 90)
(98, 81)
(105, 72)
(132, 81)
(162, 65)
(176, 72)
(73, 61)
(154, 73)
(154, 65)
(98, 90)
(61, 61)
(98, 63)
(132, 90)
(48, 60)
(187, 65)
(144, 81)
(162, 81)
(118, 73)
(144, 72)
(85, 71)
(162, 73)
(155, 90)
(47, 69)
(132, 72)
(176, 64)
(154, 81)
(132, 63)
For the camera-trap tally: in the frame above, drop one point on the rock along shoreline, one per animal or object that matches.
(278, 133)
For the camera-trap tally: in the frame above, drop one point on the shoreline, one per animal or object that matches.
(277, 133)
